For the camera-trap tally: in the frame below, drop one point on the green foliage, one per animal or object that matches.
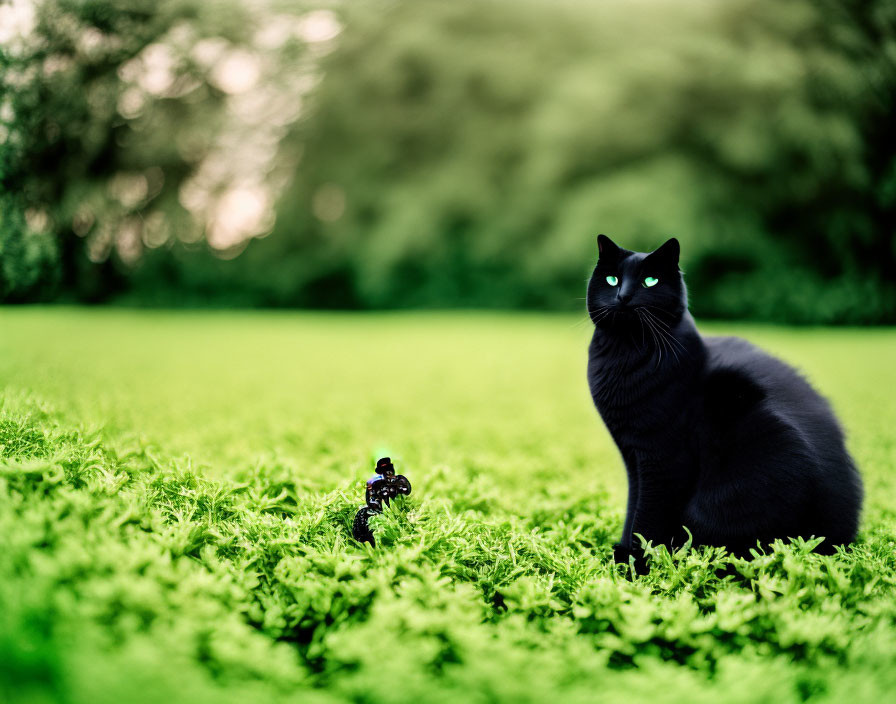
(28, 261)
(132, 571)
(108, 107)
(495, 145)
(464, 154)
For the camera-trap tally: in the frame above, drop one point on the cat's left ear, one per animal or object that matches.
(668, 252)
(607, 247)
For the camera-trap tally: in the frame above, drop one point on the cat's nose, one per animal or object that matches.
(623, 298)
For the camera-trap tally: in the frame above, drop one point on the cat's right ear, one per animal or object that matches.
(606, 247)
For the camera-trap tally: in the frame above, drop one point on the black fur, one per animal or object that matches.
(716, 435)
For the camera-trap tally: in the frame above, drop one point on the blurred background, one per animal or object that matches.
(421, 154)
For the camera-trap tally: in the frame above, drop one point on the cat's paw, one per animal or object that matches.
(623, 555)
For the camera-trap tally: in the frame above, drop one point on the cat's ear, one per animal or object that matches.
(607, 247)
(669, 251)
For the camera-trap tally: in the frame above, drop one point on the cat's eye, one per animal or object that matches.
(650, 281)
(612, 280)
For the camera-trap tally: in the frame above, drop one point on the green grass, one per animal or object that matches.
(176, 491)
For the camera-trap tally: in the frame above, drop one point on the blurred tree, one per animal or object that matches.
(28, 261)
(132, 124)
(468, 155)
(458, 154)
(825, 192)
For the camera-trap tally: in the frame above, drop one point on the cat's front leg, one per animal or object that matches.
(629, 547)
(662, 496)
(631, 470)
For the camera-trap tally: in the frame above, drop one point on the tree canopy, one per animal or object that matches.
(420, 154)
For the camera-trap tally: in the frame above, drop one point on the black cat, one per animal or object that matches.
(716, 435)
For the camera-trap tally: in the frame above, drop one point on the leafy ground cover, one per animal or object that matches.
(176, 492)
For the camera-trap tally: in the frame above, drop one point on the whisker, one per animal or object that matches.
(598, 314)
(656, 341)
(668, 332)
(663, 334)
(669, 339)
(645, 326)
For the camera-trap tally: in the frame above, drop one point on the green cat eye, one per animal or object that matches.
(651, 281)
(612, 280)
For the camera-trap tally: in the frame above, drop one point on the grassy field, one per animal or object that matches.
(176, 492)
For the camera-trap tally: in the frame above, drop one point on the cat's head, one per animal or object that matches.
(626, 285)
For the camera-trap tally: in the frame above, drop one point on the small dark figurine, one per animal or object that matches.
(382, 487)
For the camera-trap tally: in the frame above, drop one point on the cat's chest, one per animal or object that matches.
(637, 394)
(618, 381)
